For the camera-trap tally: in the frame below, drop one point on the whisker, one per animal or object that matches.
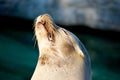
(34, 23)
(34, 38)
(33, 26)
(35, 43)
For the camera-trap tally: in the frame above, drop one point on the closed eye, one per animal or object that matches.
(65, 31)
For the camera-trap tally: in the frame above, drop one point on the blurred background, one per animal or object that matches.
(95, 22)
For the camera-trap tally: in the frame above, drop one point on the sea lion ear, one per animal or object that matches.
(75, 42)
(79, 51)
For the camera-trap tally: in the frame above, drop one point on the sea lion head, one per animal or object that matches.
(51, 37)
(61, 53)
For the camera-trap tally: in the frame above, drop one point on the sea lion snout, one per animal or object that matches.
(39, 20)
(45, 20)
(44, 26)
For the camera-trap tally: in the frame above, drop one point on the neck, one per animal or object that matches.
(76, 70)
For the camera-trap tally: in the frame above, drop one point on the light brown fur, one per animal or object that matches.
(44, 60)
(60, 54)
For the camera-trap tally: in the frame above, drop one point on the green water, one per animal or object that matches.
(105, 57)
(18, 56)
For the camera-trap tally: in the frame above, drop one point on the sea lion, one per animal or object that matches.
(62, 56)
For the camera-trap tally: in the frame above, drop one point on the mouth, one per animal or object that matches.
(45, 23)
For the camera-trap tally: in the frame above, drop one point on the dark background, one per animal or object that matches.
(19, 53)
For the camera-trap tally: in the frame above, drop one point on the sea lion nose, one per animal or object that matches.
(39, 20)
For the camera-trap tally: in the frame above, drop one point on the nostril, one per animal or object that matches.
(39, 25)
(42, 22)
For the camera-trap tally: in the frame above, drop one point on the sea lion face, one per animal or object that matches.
(51, 36)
